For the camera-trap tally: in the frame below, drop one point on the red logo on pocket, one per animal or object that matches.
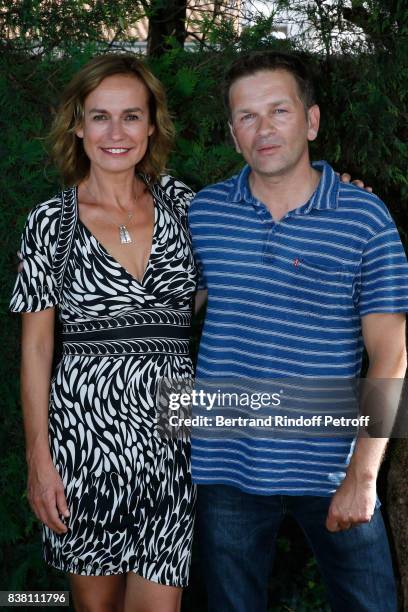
(296, 262)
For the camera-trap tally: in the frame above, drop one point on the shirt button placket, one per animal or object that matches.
(269, 247)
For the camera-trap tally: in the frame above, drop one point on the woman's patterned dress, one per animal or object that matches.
(129, 491)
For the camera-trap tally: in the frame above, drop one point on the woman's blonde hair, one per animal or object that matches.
(67, 148)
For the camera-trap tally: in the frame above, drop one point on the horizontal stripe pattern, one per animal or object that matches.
(286, 299)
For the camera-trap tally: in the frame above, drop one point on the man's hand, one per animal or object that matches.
(384, 338)
(352, 504)
(346, 178)
(46, 496)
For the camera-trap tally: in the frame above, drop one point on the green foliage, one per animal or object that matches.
(303, 591)
(42, 26)
(363, 98)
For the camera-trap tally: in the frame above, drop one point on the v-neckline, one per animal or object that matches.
(108, 253)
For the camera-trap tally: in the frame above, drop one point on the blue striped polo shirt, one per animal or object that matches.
(285, 299)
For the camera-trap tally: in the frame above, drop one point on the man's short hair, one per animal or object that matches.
(252, 63)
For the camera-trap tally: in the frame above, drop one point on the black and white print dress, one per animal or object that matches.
(129, 490)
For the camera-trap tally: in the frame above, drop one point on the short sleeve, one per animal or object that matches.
(35, 288)
(177, 191)
(181, 195)
(186, 195)
(202, 280)
(384, 274)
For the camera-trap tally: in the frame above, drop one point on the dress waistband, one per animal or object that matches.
(129, 335)
(130, 332)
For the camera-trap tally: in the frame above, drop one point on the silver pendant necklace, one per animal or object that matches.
(124, 235)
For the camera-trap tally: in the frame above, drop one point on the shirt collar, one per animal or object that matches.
(324, 198)
(240, 189)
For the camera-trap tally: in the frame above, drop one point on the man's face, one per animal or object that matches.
(269, 123)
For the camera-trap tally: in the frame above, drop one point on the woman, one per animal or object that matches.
(113, 254)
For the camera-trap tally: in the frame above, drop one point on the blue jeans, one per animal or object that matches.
(237, 533)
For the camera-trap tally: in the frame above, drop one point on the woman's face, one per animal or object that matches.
(116, 125)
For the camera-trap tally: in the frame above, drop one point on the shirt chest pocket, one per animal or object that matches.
(320, 290)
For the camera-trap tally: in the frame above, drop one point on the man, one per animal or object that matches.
(301, 271)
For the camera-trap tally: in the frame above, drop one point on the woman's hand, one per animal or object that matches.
(346, 178)
(45, 487)
(46, 495)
